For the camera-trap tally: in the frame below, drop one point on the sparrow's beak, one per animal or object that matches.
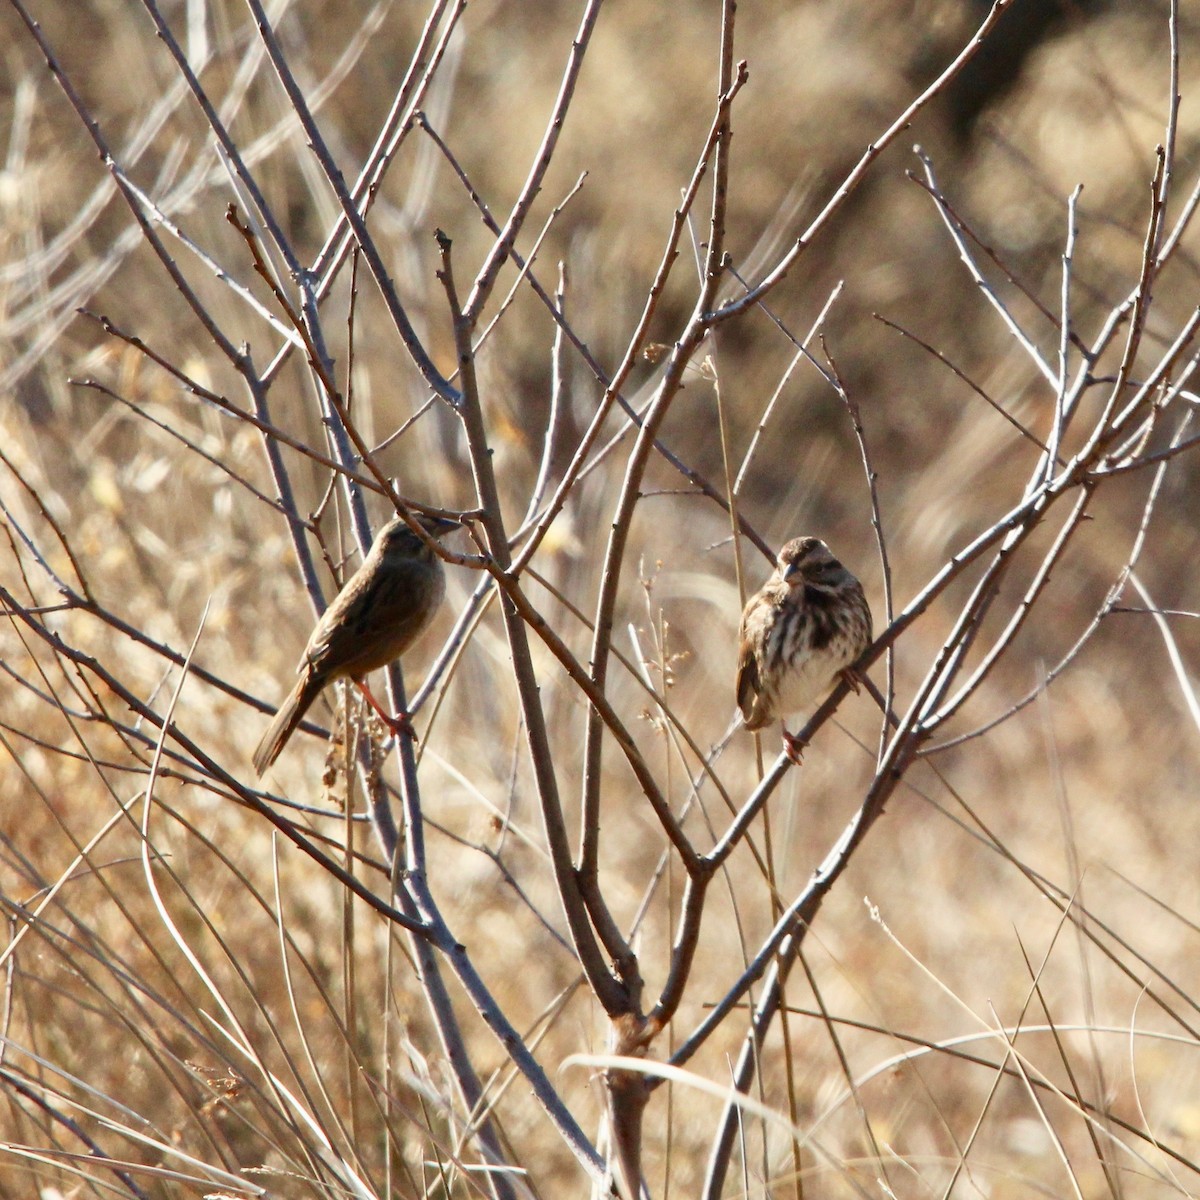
(794, 575)
(439, 526)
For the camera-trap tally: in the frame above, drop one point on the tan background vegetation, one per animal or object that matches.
(1093, 785)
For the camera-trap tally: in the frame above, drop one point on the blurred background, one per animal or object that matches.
(1092, 786)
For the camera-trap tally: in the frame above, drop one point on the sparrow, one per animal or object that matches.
(379, 613)
(809, 623)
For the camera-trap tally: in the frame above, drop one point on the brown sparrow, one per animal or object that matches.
(809, 622)
(382, 609)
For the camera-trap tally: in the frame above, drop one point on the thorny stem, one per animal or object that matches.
(793, 926)
(627, 1091)
(350, 210)
(396, 126)
(611, 993)
(623, 516)
(612, 385)
(872, 152)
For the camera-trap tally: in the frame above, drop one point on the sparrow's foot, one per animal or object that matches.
(792, 748)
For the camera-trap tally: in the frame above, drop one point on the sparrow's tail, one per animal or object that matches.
(283, 725)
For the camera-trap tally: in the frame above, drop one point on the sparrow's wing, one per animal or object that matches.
(750, 698)
(747, 682)
(375, 618)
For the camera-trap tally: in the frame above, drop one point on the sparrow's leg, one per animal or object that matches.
(401, 723)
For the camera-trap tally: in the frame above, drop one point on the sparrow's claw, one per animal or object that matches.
(400, 723)
(793, 748)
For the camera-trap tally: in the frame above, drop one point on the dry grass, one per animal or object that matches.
(293, 1003)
